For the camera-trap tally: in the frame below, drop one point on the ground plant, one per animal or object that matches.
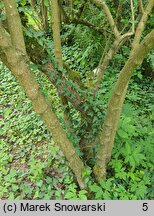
(76, 105)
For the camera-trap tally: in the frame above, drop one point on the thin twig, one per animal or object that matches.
(133, 16)
(141, 25)
(109, 16)
(118, 12)
(141, 7)
(103, 55)
(90, 25)
(116, 45)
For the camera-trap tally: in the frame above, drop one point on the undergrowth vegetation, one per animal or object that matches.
(92, 38)
(33, 167)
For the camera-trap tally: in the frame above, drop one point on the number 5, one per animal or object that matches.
(145, 207)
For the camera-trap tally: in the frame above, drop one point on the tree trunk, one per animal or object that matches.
(44, 14)
(13, 54)
(17, 61)
(115, 104)
(56, 31)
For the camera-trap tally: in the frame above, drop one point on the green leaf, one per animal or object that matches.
(95, 188)
(106, 196)
(83, 192)
(46, 2)
(7, 113)
(11, 196)
(15, 187)
(69, 195)
(122, 134)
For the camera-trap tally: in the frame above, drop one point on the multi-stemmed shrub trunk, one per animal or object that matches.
(13, 54)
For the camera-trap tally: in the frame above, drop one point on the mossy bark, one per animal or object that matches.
(20, 69)
(18, 63)
(14, 56)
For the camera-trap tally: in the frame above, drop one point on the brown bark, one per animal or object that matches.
(44, 15)
(137, 54)
(14, 56)
(102, 67)
(18, 64)
(14, 25)
(56, 31)
(115, 104)
(19, 67)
